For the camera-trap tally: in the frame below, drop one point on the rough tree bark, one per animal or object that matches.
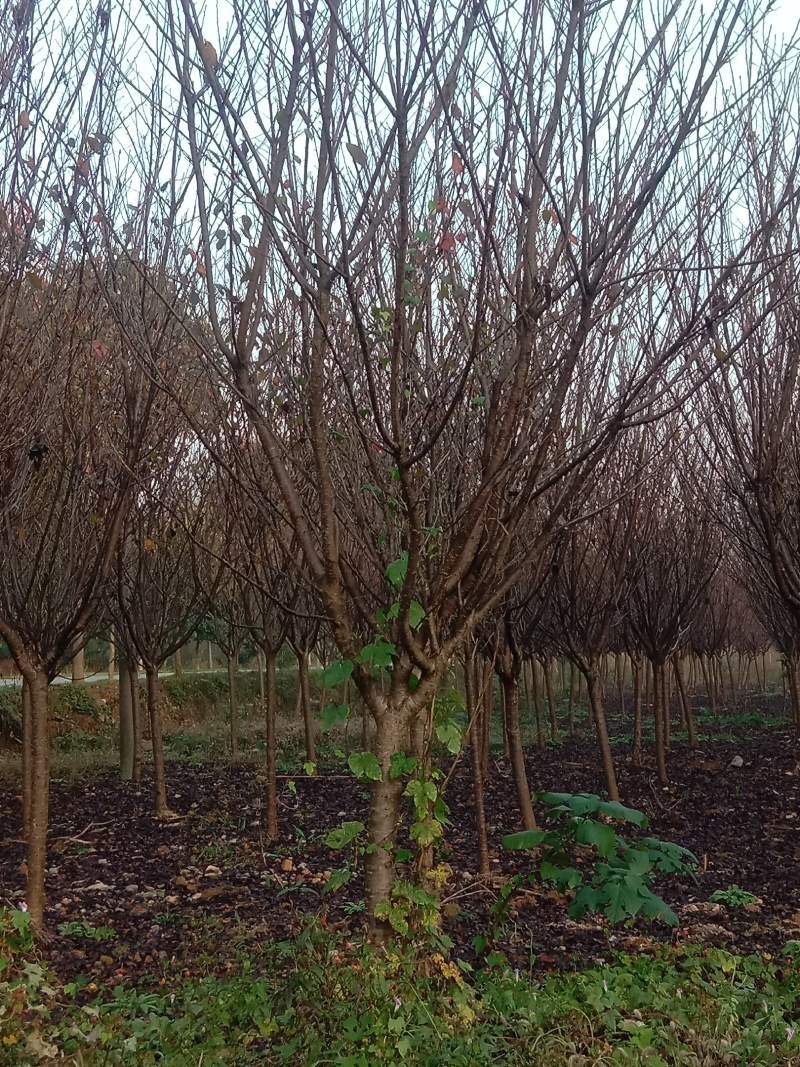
(156, 734)
(127, 739)
(595, 691)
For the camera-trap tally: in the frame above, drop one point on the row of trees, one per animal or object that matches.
(407, 296)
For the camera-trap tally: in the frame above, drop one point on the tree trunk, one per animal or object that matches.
(595, 691)
(112, 659)
(210, 656)
(636, 677)
(573, 685)
(793, 671)
(658, 723)
(138, 719)
(511, 706)
(417, 735)
(476, 712)
(159, 775)
(233, 705)
(547, 671)
(304, 691)
(687, 714)
(536, 694)
(178, 663)
(27, 757)
(731, 676)
(271, 710)
(619, 674)
(79, 667)
(384, 817)
(486, 696)
(39, 800)
(126, 730)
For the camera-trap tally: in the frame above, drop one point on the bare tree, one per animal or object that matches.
(470, 246)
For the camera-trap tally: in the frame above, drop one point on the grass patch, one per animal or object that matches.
(324, 1000)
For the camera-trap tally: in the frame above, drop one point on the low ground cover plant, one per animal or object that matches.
(323, 999)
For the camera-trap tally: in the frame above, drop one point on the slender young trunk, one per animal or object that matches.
(793, 671)
(157, 737)
(138, 720)
(79, 667)
(547, 671)
(233, 704)
(486, 695)
(210, 656)
(126, 731)
(476, 711)
(619, 671)
(666, 704)
(384, 818)
(658, 723)
(709, 688)
(506, 741)
(573, 685)
(39, 799)
(511, 704)
(687, 715)
(719, 679)
(536, 694)
(178, 663)
(648, 687)
(595, 691)
(112, 659)
(27, 756)
(271, 711)
(305, 703)
(733, 683)
(636, 677)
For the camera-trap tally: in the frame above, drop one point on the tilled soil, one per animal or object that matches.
(193, 893)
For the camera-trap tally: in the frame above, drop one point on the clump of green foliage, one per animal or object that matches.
(201, 691)
(733, 897)
(75, 700)
(619, 879)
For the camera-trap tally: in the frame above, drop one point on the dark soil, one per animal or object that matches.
(192, 894)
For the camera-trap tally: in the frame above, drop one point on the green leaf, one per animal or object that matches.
(525, 839)
(622, 901)
(337, 672)
(334, 713)
(396, 571)
(598, 834)
(337, 880)
(401, 764)
(614, 810)
(309, 768)
(416, 615)
(588, 898)
(378, 654)
(341, 836)
(450, 736)
(426, 832)
(365, 766)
